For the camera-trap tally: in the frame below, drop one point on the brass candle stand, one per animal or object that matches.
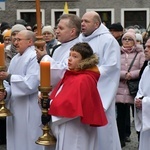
(4, 112)
(47, 138)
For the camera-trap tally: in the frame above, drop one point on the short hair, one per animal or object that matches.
(29, 35)
(74, 21)
(84, 49)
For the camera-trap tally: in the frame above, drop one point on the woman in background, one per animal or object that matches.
(123, 98)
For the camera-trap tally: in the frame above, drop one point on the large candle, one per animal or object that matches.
(45, 74)
(2, 55)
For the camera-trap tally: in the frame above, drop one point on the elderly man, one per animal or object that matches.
(108, 50)
(142, 104)
(21, 83)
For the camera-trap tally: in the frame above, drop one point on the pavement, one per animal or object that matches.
(133, 145)
(2, 147)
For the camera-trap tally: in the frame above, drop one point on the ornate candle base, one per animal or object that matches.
(39, 43)
(4, 112)
(47, 138)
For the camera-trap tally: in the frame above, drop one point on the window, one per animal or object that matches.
(29, 15)
(137, 16)
(2, 5)
(56, 13)
(107, 15)
(51, 0)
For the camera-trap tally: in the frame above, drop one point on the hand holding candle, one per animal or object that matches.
(2, 55)
(45, 74)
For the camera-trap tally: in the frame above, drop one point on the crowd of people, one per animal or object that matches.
(90, 102)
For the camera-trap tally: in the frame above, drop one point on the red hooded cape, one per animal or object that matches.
(79, 97)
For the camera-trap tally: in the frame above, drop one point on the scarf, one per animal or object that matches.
(128, 50)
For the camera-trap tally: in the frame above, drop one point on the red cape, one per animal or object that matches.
(79, 97)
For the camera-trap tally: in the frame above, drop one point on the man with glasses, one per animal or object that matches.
(21, 90)
(10, 52)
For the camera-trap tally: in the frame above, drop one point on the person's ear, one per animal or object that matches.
(73, 30)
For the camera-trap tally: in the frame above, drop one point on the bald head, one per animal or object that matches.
(94, 16)
(90, 22)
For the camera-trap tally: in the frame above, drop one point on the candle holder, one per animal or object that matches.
(47, 138)
(4, 112)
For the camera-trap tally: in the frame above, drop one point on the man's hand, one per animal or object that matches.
(3, 75)
(40, 52)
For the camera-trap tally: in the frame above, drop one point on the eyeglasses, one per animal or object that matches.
(18, 39)
(127, 39)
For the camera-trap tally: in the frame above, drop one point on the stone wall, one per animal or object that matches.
(10, 13)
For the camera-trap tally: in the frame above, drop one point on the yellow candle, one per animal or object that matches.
(2, 55)
(45, 74)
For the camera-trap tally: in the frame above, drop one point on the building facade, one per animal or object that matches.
(128, 13)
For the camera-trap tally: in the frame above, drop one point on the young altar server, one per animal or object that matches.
(76, 106)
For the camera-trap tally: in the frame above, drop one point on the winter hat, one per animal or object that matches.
(21, 21)
(131, 30)
(139, 37)
(34, 27)
(137, 31)
(48, 29)
(116, 27)
(17, 28)
(131, 35)
(7, 33)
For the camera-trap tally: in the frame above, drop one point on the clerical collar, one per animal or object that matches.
(70, 40)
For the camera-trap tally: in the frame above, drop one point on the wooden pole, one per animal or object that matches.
(38, 17)
(39, 43)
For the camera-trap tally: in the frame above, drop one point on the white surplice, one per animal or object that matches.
(23, 127)
(142, 117)
(71, 134)
(108, 50)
